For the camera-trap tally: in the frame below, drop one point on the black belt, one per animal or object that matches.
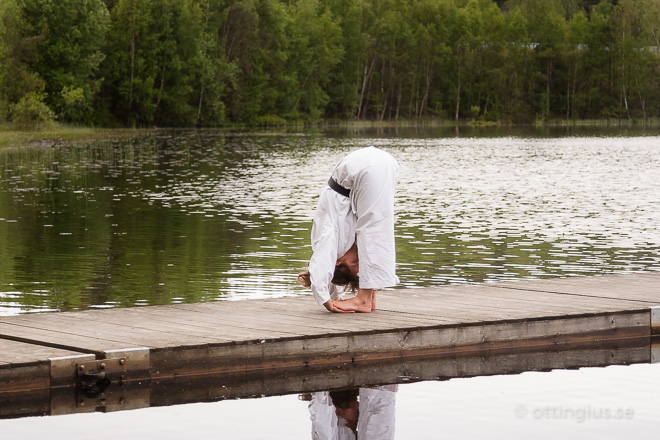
(332, 183)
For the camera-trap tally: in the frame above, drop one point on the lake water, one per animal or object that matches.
(591, 403)
(206, 216)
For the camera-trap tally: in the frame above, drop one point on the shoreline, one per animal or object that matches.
(64, 134)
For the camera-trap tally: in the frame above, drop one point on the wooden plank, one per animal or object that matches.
(297, 311)
(642, 287)
(24, 375)
(60, 339)
(255, 323)
(301, 353)
(474, 310)
(223, 327)
(465, 304)
(267, 317)
(345, 322)
(490, 294)
(215, 318)
(25, 379)
(141, 328)
(295, 333)
(208, 388)
(126, 335)
(12, 352)
(464, 312)
(25, 391)
(479, 301)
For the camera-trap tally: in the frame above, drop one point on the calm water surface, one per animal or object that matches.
(205, 216)
(591, 403)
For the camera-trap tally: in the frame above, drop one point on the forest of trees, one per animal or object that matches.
(119, 63)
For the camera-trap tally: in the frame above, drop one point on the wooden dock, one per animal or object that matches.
(59, 362)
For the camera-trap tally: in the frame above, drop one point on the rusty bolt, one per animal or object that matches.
(82, 403)
(122, 401)
(102, 401)
(102, 366)
(122, 361)
(81, 367)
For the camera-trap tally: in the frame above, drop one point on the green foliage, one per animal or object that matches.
(269, 121)
(17, 48)
(70, 35)
(74, 103)
(32, 113)
(315, 48)
(213, 62)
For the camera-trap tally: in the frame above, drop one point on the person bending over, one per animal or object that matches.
(355, 213)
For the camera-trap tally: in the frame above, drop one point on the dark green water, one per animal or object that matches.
(206, 216)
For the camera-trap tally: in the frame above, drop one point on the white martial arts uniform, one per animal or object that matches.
(377, 413)
(375, 421)
(326, 425)
(366, 216)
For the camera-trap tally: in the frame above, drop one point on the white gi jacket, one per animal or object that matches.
(375, 422)
(377, 413)
(366, 217)
(326, 425)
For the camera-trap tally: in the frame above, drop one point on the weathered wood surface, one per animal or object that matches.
(12, 352)
(294, 332)
(26, 366)
(214, 387)
(631, 287)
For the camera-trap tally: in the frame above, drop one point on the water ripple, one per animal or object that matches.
(208, 216)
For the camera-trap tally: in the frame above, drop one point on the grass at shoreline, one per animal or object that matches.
(63, 134)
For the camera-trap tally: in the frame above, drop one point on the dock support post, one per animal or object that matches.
(655, 331)
(655, 320)
(138, 358)
(63, 369)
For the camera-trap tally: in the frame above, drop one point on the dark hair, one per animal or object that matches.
(342, 277)
(304, 279)
(343, 398)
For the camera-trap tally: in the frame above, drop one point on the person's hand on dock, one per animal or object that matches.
(332, 307)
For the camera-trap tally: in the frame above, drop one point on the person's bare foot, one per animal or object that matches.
(332, 307)
(355, 304)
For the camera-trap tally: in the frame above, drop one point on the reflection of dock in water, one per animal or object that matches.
(152, 356)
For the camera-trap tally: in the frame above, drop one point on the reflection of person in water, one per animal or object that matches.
(355, 213)
(357, 413)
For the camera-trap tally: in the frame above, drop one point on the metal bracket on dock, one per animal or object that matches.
(63, 369)
(113, 398)
(138, 358)
(93, 377)
(83, 383)
(655, 331)
(118, 367)
(655, 320)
